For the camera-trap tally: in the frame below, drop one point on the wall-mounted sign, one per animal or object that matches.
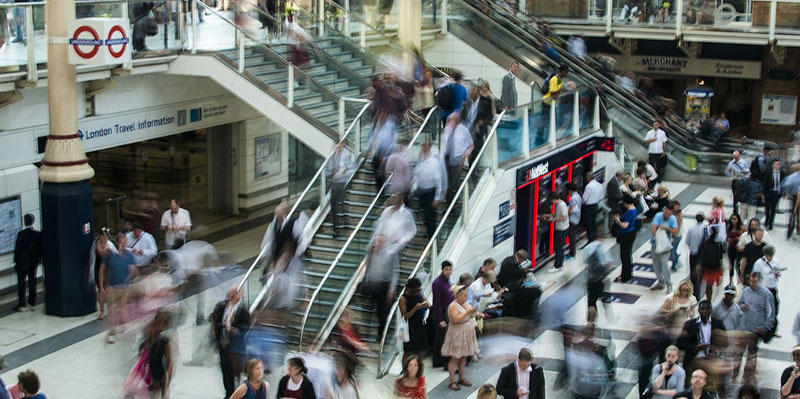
(502, 231)
(689, 66)
(10, 223)
(99, 41)
(778, 110)
(504, 210)
(268, 155)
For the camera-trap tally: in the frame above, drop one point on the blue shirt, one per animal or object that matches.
(630, 217)
(748, 191)
(118, 266)
(575, 201)
(459, 96)
(658, 220)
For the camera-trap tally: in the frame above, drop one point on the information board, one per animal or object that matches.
(502, 231)
(10, 223)
(778, 110)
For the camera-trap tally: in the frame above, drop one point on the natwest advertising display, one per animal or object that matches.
(99, 41)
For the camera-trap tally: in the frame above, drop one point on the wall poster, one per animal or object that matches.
(268, 155)
(778, 110)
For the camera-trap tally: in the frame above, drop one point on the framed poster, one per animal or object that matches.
(10, 223)
(778, 110)
(268, 155)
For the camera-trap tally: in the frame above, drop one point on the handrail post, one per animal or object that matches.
(596, 121)
(610, 129)
(464, 212)
(526, 149)
(576, 114)
(346, 27)
(240, 42)
(444, 16)
(362, 34)
(181, 23)
(341, 117)
(321, 16)
(552, 130)
(195, 16)
(609, 14)
(495, 154)
(678, 18)
(773, 15)
(290, 86)
(33, 75)
(621, 155)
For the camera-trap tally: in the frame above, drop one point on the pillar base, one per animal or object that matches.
(67, 234)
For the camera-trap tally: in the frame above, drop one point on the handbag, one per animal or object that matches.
(663, 243)
(137, 383)
(647, 393)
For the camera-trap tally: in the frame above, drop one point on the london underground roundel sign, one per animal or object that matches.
(117, 45)
(83, 37)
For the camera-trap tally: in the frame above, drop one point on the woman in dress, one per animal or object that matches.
(294, 384)
(413, 307)
(253, 387)
(717, 214)
(101, 247)
(734, 229)
(681, 302)
(411, 385)
(460, 341)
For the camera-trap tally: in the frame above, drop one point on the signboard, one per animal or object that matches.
(268, 155)
(564, 156)
(689, 66)
(502, 231)
(10, 223)
(504, 210)
(778, 110)
(99, 41)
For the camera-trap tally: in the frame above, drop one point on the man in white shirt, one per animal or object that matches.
(592, 194)
(522, 379)
(656, 140)
(738, 169)
(428, 178)
(338, 170)
(577, 47)
(176, 222)
(284, 229)
(560, 216)
(459, 147)
(770, 269)
(575, 205)
(141, 244)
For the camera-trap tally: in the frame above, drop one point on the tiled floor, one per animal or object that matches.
(57, 345)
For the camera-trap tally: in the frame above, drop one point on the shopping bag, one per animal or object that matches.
(663, 243)
(137, 383)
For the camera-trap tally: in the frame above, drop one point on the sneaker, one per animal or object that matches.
(569, 257)
(112, 339)
(20, 309)
(31, 308)
(553, 269)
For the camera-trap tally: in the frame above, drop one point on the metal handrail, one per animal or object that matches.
(351, 237)
(431, 242)
(304, 193)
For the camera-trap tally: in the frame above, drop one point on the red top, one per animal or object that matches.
(298, 394)
(415, 392)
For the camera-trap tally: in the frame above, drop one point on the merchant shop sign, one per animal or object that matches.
(689, 66)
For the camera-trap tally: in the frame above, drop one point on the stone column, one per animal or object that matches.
(65, 173)
(410, 23)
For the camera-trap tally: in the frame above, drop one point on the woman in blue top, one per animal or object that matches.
(253, 387)
(626, 236)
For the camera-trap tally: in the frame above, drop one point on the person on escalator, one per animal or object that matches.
(298, 40)
(284, 230)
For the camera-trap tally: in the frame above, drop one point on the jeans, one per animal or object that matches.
(661, 268)
(674, 254)
(558, 246)
(19, 22)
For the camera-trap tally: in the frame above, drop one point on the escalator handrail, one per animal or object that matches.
(350, 238)
(425, 251)
(576, 62)
(299, 199)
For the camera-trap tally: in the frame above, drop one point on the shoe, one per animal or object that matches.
(553, 269)
(657, 287)
(455, 386)
(569, 257)
(111, 339)
(31, 308)
(20, 309)
(465, 382)
(18, 40)
(776, 335)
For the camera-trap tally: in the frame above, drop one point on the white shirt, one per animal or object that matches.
(737, 169)
(428, 174)
(656, 147)
(181, 220)
(458, 143)
(478, 291)
(297, 233)
(145, 243)
(398, 226)
(767, 270)
(593, 193)
(523, 379)
(472, 113)
(745, 239)
(340, 166)
(577, 47)
(705, 335)
(561, 210)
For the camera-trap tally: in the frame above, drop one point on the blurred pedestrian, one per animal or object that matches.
(593, 193)
(229, 322)
(790, 378)
(27, 256)
(697, 388)
(339, 169)
(522, 379)
(284, 231)
(664, 221)
(656, 139)
(252, 387)
(101, 247)
(598, 263)
(428, 177)
(487, 391)
(345, 385)
(738, 169)
(442, 297)
(458, 145)
(298, 40)
(423, 94)
(756, 303)
(574, 211)
(676, 240)
(176, 222)
(414, 307)
(770, 268)
(451, 97)
(709, 266)
(29, 385)
(626, 237)
(141, 244)
(295, 384)
(699, 335)
(749, 191)
(508, 97)
(734, 229)
(411, 384)
(487, 109)
(161, 355)
(668, 377)
(772, 192)
(680, 303)
(753, 251)
(398, 166)
(117, 270)
(460, 341)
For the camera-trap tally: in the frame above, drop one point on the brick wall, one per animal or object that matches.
(776, 133)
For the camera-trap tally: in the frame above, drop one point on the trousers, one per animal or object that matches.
(626, 254)
(337, 202)
(589, 214)
(558, 246)
(661, 268)
(26, 273)
(573, 239)
(770, 206)
(425, 198)
(747, 212)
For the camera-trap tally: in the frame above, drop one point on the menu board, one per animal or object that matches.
(10, 223)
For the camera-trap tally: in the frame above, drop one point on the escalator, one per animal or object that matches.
(516, 36)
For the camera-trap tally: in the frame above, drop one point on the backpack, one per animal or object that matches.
(446, 98)
(546, 84)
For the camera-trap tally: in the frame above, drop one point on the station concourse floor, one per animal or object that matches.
(72, 359)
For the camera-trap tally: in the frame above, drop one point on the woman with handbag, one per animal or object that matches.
(681, 302)
(668, 378)
(413, 307)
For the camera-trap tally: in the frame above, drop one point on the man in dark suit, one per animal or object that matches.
(772, 192)
(229, 323)
(27, 256)
(614, 194)
(532, 387)
(697, 336)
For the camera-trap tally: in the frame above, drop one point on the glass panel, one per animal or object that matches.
(734, 15)
(538, 125)
(564, 116)
(215, 31)
(586, 108)
(509, 135)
